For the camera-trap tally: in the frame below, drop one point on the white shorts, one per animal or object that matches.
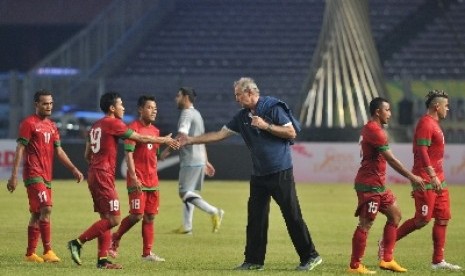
(191, 178)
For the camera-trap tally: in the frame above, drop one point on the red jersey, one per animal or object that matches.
(40, 137)
(145, 155)
(103, 138)
(372, 172)
(429, 134)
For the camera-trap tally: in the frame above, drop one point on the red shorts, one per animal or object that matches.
(369, 203)
(104, 195)
(145, 202)
(431, 204)
(39, 196)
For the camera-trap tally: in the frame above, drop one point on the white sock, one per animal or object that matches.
(198, 201)
(187, 214)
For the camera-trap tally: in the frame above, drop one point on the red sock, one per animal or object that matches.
(95, 230)
(389, 240)
(125, 225)
(33, 234)
(406, 228)
(148, 232)
(359, 243)
(104, 242)
(44, 227)
(439, 241)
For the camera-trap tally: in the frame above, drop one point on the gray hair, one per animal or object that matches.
(245, 84)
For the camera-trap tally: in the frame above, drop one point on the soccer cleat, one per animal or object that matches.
(381, 250)
(392, 266)
(361, 269)
(113, 250)
(445, 265)
(152, 257)
(33, 258)
(51, 257)
(106, 264)
(216, 220)
(310, 264)
(249, 266)
(182, 230)
(75, 250)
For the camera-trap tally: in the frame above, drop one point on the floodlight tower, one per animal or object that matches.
(346, 72)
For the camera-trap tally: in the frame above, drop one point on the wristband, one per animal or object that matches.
(269, 127)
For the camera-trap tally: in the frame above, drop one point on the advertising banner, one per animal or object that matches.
(339, 162)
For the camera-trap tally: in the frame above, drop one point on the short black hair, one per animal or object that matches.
(376, 104)
(108, 99)
(143, 99)
(40, 93)
(434, 94)
(190, 92)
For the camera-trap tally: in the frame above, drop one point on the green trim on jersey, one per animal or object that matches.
(428, 186)
(37, 179)
(130, 148)
(57, 144)
(127, 134)
(359, 187)
(383, 148)
(423, 142)
(22, 141)
(145, 189)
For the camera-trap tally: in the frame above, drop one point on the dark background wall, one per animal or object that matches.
(230, 161)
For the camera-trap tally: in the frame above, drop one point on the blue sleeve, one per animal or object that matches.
(235, 123)
(278, 116)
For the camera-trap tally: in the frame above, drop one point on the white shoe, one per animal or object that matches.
(445, 265)
(152, 257)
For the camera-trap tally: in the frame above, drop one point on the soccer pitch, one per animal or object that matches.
(327, 208)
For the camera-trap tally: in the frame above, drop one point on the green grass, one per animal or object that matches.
(327, 208)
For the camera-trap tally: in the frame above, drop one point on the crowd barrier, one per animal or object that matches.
(313, 162)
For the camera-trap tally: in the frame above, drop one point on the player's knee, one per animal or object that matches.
(114, 220)
(365, 225)
(149, 218)
(135, 217)
(189, 196)
(442, 222)
(422, 222)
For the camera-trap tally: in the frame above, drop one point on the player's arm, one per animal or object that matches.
(88, 152)
(13, 181)
(64, 159)
(399, 167)
(167, 151)
(286, 131)
(167, 140)
(133, 181)
(425, 160)
(209, 169)
(209, 137)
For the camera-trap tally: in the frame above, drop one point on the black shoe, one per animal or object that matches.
(249, 266)
(106, 264)
(75, 248)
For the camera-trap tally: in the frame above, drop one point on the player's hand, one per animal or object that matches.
(418, 182)
(11, 185)
(209, 169)
(436, 184)
(78, 175)
(184, 140)
(258, 122)
(165, 153)
(172, 143)
(136, 185)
